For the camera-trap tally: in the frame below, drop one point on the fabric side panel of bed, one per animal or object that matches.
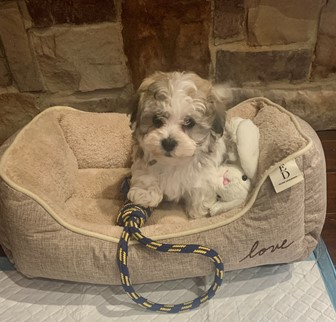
(4, 241)
(41, 247)
(316, 190)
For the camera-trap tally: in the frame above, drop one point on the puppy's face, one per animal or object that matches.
(175, 116)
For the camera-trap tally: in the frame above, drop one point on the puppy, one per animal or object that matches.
(178, 141)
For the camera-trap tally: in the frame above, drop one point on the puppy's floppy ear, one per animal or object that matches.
(213, 103)
(136, 101)
(217, 128)
(148, 81)
(135, 115)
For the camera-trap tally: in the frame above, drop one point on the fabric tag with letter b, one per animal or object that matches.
(286, 176)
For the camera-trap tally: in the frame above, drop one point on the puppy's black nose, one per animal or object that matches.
(168, 144)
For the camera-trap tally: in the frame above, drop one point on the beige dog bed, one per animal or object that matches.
(60, 194)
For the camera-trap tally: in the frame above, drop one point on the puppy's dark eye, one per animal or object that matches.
(157, 121)
(189, 122)
(244, 177)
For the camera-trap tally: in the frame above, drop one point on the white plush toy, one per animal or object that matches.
(233, 180)
(232, 187)
(244, 135)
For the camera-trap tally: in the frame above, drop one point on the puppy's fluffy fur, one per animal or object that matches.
(178, 141)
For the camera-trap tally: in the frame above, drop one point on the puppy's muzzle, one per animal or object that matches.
(168, 144)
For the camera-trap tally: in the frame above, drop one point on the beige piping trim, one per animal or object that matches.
(85, 232)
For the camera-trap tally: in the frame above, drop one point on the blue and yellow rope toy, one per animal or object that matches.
(133, 217)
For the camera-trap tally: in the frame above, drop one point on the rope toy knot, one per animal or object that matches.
(133, 215)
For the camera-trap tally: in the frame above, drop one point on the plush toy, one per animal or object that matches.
(232, 187)
(233, 180)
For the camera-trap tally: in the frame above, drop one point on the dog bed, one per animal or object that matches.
(60, 194)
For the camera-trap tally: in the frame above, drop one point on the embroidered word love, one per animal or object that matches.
(259, 252)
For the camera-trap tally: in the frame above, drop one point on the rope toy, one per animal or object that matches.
(132, 217)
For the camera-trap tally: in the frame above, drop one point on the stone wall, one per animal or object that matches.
(92, 54)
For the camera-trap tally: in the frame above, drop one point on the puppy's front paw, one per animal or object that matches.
(150, 197)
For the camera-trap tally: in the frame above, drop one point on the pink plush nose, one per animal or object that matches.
(226, 181)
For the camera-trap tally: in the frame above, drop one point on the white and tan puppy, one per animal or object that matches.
(178, 141)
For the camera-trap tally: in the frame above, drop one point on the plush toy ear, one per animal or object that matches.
(247, 136)
(231, 127)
